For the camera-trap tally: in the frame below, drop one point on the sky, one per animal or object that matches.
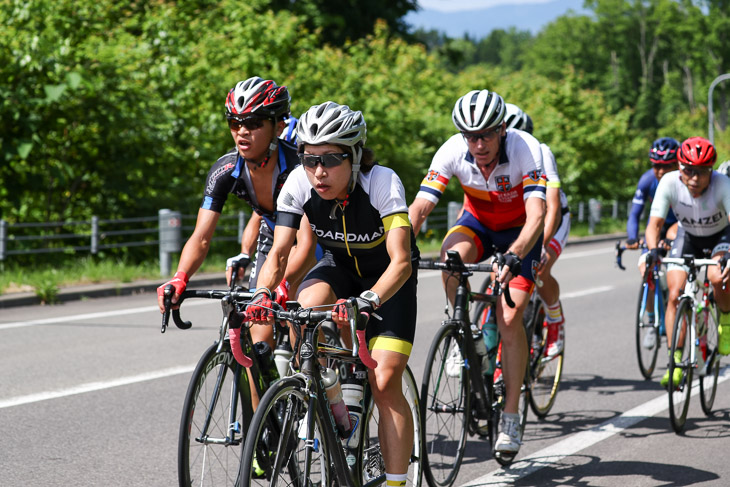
(480, 17)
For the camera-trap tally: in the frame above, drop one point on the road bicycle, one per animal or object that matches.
(294, 439)
(694, 343)
(545, 371)
(455, 394)
(217, 408)
(649, 326)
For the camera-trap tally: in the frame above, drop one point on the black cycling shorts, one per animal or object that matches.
(397, 328)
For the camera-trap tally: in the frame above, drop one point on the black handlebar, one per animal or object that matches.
(456, 265)
(235, 296)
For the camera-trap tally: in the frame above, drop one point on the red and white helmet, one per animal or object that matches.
(697, 151)
(478, 110)
(256, 96)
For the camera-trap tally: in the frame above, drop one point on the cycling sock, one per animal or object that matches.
(395, 479)
(554, 312)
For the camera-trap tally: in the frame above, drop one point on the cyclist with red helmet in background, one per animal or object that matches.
(700, 198)
(555, 234)
(500, 171)
(255, 171)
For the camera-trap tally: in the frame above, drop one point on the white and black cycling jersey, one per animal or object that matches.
(702, 216)
(353, 233)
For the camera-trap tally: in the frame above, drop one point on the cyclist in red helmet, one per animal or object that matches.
(255, 171)
(700, 198)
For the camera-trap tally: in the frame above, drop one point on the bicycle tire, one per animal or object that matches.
(646, 357)
(274, 451)
(445, 406)
(215, 459)
(708, 383)
(679, 395)
(373, 464)
(545, 373)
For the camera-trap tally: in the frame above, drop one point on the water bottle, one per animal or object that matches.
(337, 404)
(701, 354)
(266, 362)
(490, 337)
(282, 356)
(352, 392)
(480, 348)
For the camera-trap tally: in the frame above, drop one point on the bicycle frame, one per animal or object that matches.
(652, 282)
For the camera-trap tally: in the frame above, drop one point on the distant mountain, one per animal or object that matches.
(479, 23)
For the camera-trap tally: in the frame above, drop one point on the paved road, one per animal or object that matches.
(91, 393)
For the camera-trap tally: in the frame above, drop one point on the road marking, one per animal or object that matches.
(585, 292)
(580, 441)
(95, 386)
(91, 316)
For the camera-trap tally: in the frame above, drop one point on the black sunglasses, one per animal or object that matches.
(691, 172)
(487, 134)
(251, 123)
(326, 160)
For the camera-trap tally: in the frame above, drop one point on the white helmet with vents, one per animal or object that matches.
(478, 110)
(331, 123)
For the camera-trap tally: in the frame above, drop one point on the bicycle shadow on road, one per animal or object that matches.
(584, 470)
(606, 386)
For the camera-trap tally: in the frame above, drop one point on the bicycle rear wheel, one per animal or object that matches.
(708, 382)
(276, 451)
(373, 464)
(445, 406)
(210, 443)
(646, 348)
(679, 393)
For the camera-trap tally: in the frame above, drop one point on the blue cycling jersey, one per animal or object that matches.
(645, 191)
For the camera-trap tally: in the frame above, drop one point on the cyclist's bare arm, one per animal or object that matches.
(248, 241)
(418, 211)
(276, 262)
(302, 256)
(533, 228)
(251, 234)
(653, 229)
(196, 248)
(552, 214)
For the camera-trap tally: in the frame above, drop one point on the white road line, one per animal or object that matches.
(95, 386)
(580, 441)
(91, 316)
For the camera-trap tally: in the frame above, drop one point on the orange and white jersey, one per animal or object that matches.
(498, 203)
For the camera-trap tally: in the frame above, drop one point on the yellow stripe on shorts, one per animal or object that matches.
(392, 344)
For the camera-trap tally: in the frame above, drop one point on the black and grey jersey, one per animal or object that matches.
(353, 233)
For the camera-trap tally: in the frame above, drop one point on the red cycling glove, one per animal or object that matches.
(179, 281)
(282, 293)
(259, 308)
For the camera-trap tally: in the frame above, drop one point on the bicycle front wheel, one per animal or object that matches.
(647, 335)
(277, 450)
(373, 463)
(680, 366)
(445, 406)
(708, 377)
(210, 444)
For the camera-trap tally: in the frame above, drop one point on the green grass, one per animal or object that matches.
(86, 270)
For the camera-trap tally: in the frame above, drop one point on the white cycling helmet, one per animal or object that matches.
(331, 123)
(724, 168)
(477, 111)
(514, 117)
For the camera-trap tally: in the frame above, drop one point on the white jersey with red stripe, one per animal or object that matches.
(702, 216)
(498, 203)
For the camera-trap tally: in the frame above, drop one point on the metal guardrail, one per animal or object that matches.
(168, 230)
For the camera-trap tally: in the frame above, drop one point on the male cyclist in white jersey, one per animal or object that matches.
(700, 198)
(557, 228)
(500, 172)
